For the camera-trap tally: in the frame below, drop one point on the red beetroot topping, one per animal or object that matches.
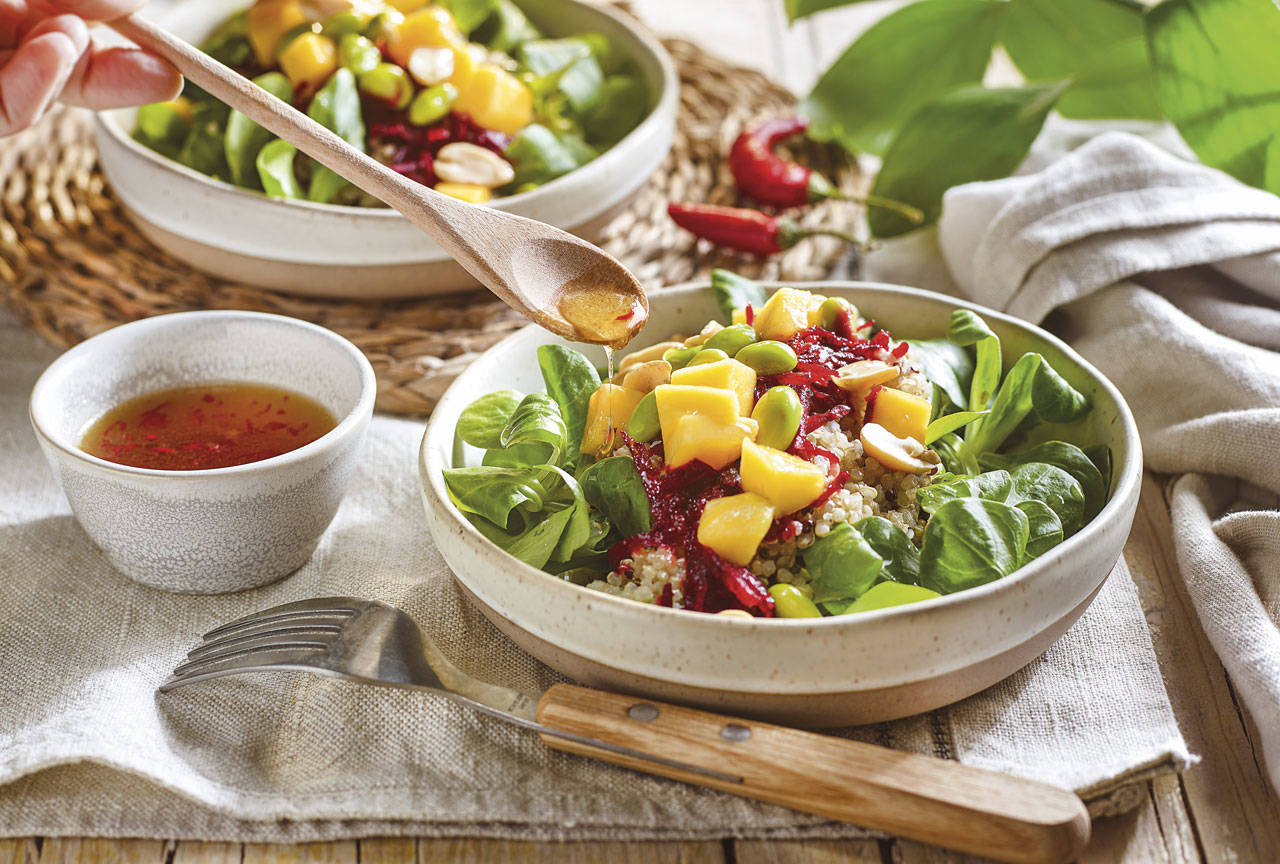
(416, 146)
(677, 497)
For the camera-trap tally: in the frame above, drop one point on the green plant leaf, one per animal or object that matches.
(1040, 481)
(539, 155)
(506, 29)
(970, 134)
(1066, 456)
(623, 103)
(614, 488)
(570, 380)
(1044, 527)
(967, 328)
(569, 66)
(1098, 44)
(1032, 390)
(481, 423)
(470, 14)
(801, 8)
(536, 431)
(990, 485)
(538, 514)
(336, 107)
(948, 366)
(274, 164)
(900, 556)
(244, 138)
(888, 594)
(1218, 80)
(735, 292)
(972, 541)
(843, 566)
(904, 61)
(949, 423)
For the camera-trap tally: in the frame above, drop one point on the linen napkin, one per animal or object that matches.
(88, 747)
(1165, 274)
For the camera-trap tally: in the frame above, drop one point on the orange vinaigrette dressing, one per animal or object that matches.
(206, 426)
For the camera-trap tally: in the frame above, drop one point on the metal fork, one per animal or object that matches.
(937, 801)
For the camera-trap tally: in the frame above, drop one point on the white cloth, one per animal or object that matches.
(88, 747)
(1165, 274)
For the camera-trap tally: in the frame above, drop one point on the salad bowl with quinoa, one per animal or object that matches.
(826, 504)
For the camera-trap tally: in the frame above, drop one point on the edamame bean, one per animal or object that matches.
(788, 602)
(382, 25)
(829, 311)
(643, 425)
(680, 357)
(357, 53)
(387, 82)
(707, 355)
(732, 339)
(432, 104)
(341, 23)
(779, 413)
(768, 357)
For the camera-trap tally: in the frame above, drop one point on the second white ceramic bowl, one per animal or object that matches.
(833, 671)
(360, 252)
(220, 529)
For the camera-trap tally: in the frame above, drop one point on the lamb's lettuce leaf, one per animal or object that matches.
(735, 292)
(842, 565)
(613, 487)
(900, 557)
(570, 379)
(972, 541)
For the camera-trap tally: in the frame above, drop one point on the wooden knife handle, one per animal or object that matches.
(933, 800)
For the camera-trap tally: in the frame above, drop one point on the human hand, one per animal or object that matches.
(46, 54)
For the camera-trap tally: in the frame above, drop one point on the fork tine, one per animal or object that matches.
(263, 647)
(269, 633)
(258, 661)
(334, 606)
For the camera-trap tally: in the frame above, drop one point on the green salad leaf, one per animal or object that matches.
(535, 434)
(203, 149)
(567, 65)
(1032, 390)
(1044, 527)
(965, 329)
(537, 513)
(949, 423)
(540, 155)
(947, 365)
(972, 541)
(900, 557)
(613, 487)
(883, 78)
(470, 14)
(244, 138)
(336, 106)
(229, 42)
(481, 423)
(570, 379)
(1040, 481)
(1069, 458)
(842, 566)
(506, 28)
(991, 485)
(888, 594)
(623, 103)
(735, 292)
(162, 127)
(274, 164)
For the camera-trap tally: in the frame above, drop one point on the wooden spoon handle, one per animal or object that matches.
(934, 800)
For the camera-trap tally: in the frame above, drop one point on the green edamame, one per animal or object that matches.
(342, 23)
(357, 53)
(788, 602)
(680, 357)
(779, 412)
(643, 425)
(387, 82)
(432, 104)
(707, 355)
(829, 311)
(382, 25)
(768, 357)
(732, 339)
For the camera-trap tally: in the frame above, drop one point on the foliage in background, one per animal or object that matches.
(909, 89)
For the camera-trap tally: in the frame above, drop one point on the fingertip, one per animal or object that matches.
(70, 26)
(119, 77)
(32, 78)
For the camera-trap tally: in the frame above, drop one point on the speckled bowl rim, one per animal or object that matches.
(1129, 473)
(349, 424)
(663, 105)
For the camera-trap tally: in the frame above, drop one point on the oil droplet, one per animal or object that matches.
(608, 394)
(599, 313)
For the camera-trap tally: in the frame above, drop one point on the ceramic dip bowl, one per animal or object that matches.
(213, 530)
(840, 670)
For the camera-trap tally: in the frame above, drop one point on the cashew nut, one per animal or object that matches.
(894, 453)
(643, 377)
(865, 374)
(463, 162)
(712, 328)
(644, 355)
(431, 66)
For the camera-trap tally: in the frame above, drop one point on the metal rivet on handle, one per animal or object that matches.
(735, 732)
(643, 711)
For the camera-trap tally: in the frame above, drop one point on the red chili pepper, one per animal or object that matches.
(745, 230)
(772, 180)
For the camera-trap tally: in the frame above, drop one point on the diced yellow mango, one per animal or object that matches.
(675, 400)
(724, 374)
(496, 99)
(783, 315)
(733, 526)
(406, 7)
(696, 436)
(469, 192)
(814, 314)
(268, 20)
(739, 316)
(608, 409)
(788, 481)
(432, 27)
(308, 61)
(904, 415)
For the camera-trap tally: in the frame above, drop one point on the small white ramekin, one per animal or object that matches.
(215, 530)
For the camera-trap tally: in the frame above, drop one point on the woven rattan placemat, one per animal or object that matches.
(72, 265)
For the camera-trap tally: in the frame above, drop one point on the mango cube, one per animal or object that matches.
(432, 27)
(268, 20)
(496, 99)
(904, 415)
(675, 400)
(696, 436)
(472, 193)
(784, 315)
(725, 375)
(739, 316)
(733, 526)
(789, 482)
(308, 61)
(814, 314)
(608, 409)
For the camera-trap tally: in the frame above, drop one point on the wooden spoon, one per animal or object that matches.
(559, 281)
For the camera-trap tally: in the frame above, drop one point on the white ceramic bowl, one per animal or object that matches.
(832, 671)
(221, 529)
(361, 252)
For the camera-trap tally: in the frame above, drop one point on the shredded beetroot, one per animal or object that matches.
(881, 339)
(901, 349)
(866, 324)
(416, 146)
(813, 421)
(833, 485)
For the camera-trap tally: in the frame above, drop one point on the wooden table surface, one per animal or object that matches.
(1222, 810)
